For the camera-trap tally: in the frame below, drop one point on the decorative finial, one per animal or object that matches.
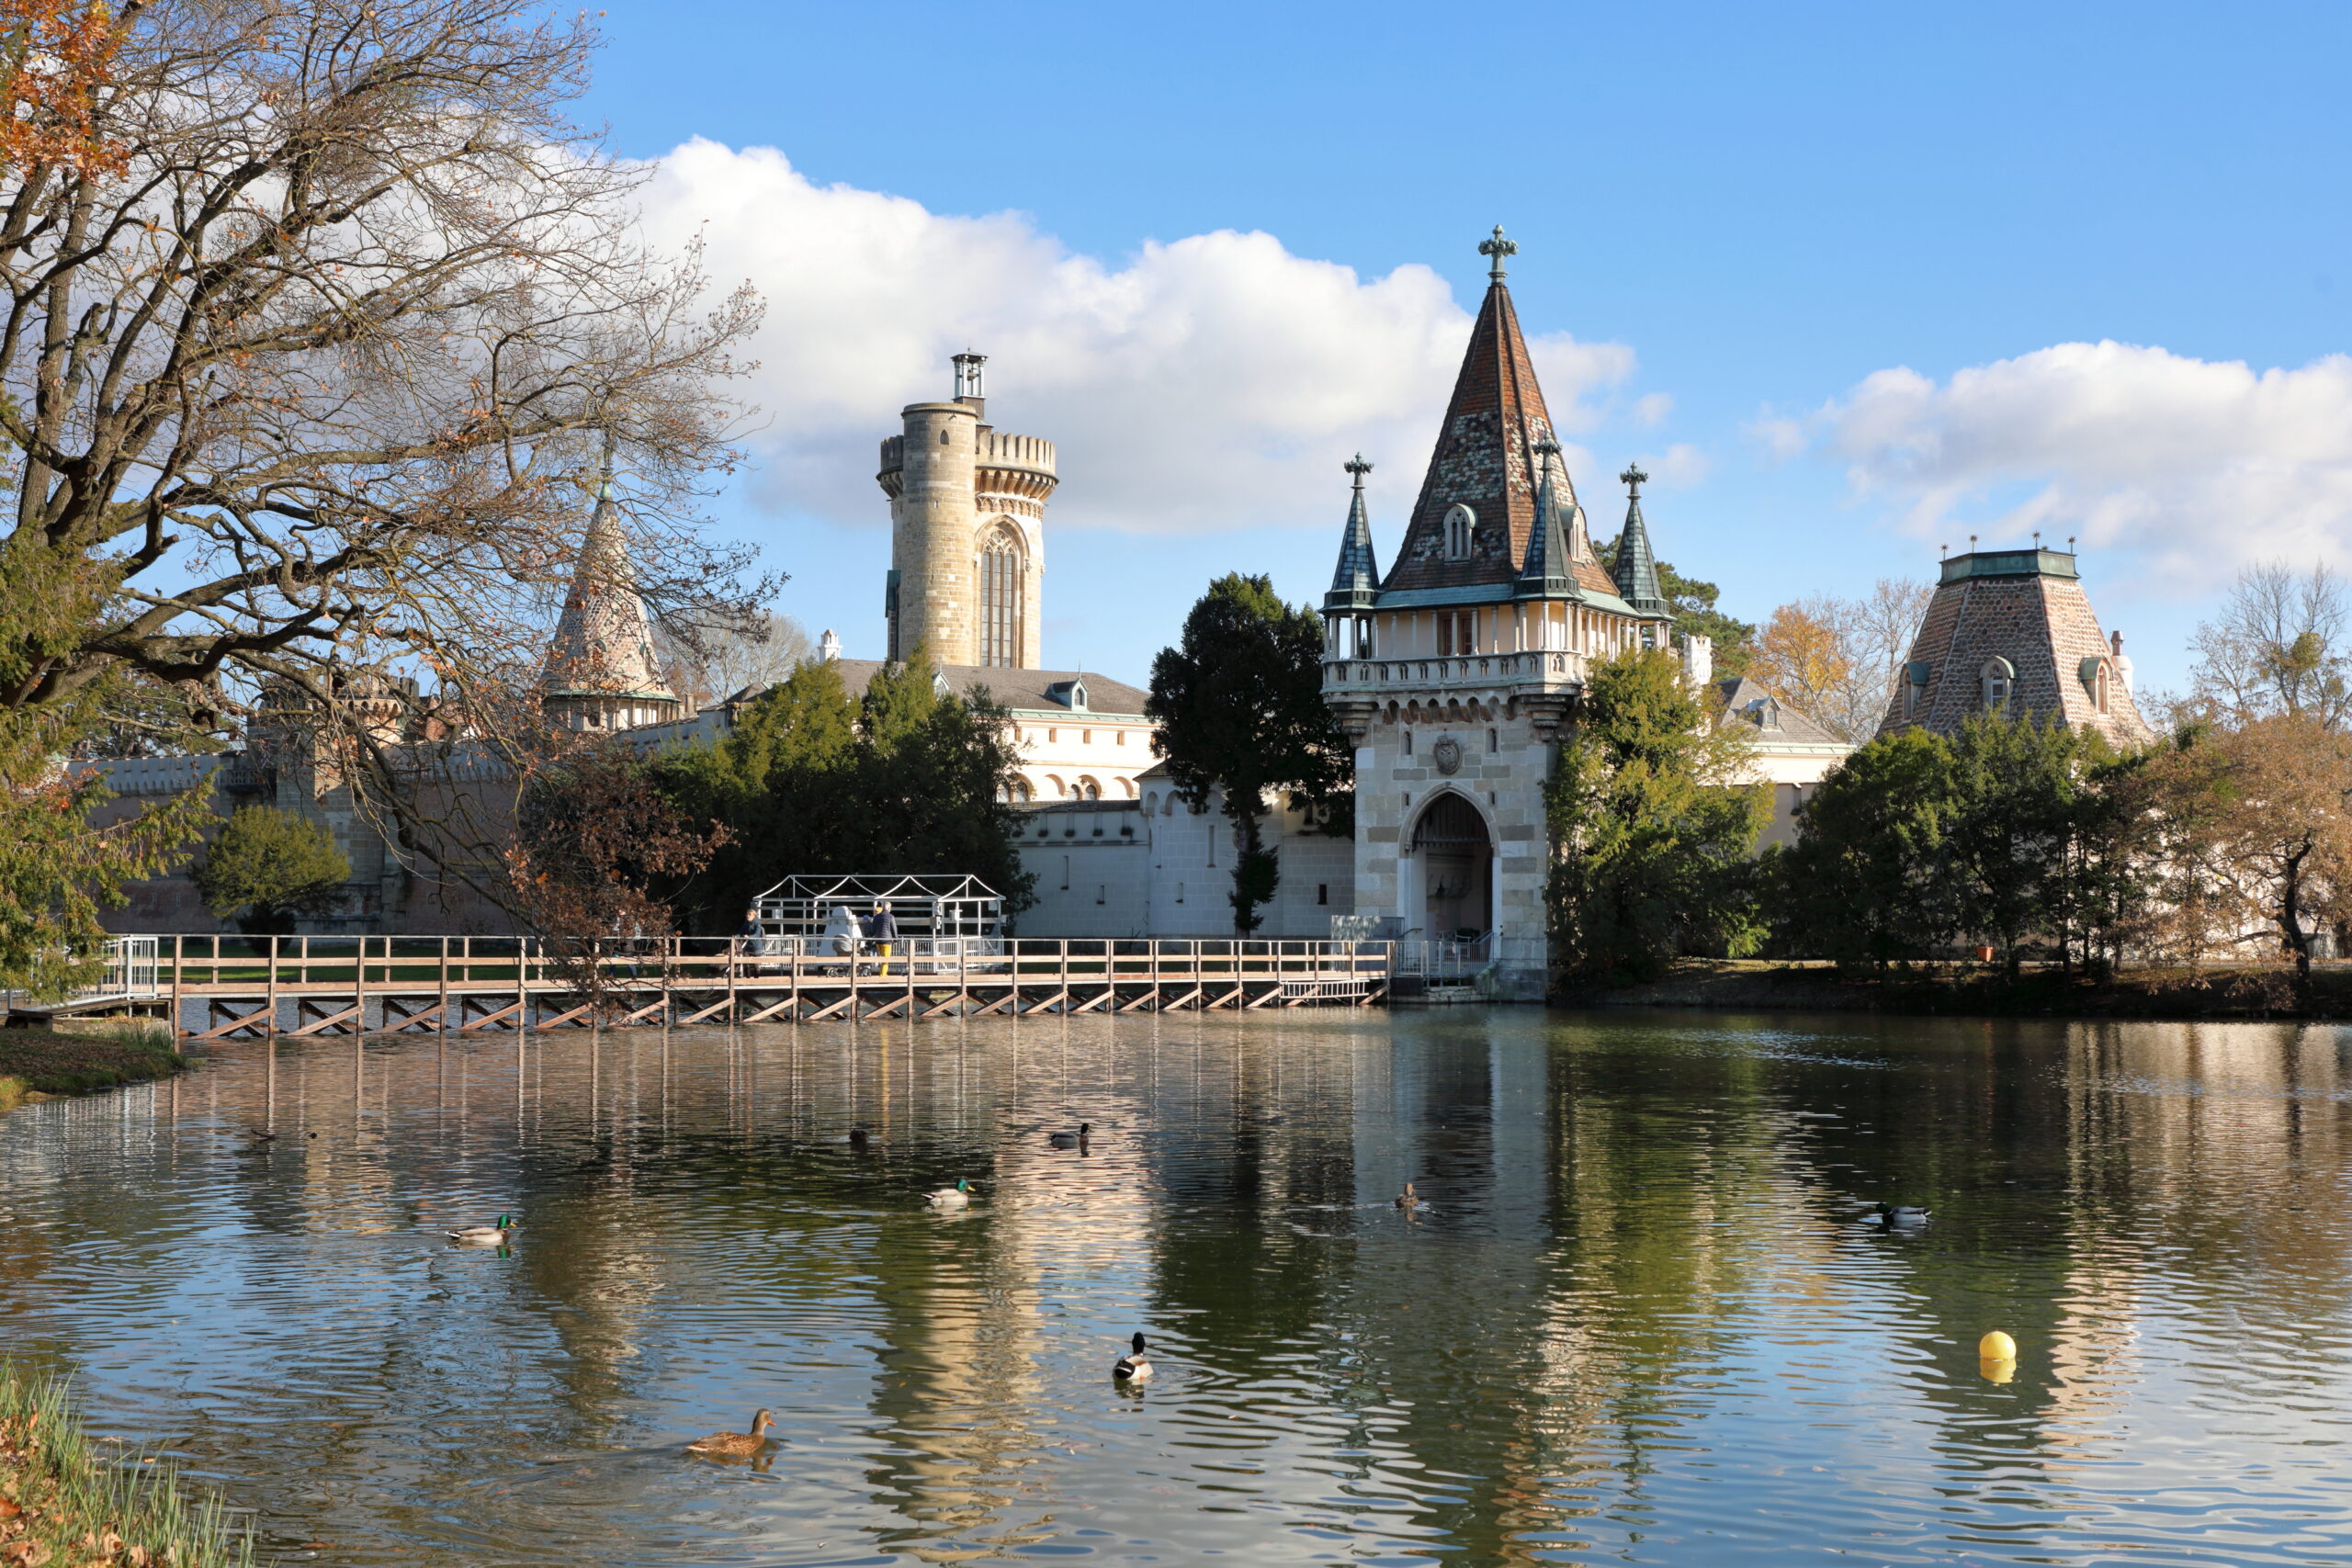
(2070, 544)
(2037, 538)
(1497, 247)
(1548, 448)
(1358, 466)
(604, 475)
(1633, 479)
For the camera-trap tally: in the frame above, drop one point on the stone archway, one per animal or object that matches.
(1457, 868)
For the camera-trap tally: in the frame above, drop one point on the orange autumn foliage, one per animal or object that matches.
(55, 59)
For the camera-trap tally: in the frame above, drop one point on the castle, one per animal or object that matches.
(1454, 673)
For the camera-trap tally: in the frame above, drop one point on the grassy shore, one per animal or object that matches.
(103, 1055)
(2246, 992)
(64, 1500)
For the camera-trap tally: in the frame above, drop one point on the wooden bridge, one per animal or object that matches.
(227, 987)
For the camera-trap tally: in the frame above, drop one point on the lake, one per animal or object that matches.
(1647, 1313)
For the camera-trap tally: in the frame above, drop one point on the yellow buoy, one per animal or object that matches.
(1997, 1371)
(1997, 1347)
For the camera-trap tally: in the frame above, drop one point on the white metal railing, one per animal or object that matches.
(1446, 960)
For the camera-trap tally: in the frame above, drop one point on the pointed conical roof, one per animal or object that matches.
(1358, 576)
(603, 642)
(1549, 571)
(1636, 565)
(1485, 460)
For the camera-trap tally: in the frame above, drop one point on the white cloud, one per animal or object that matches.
(1782, 439)
(1211, 382)
(2195, 465)
(1650, 410)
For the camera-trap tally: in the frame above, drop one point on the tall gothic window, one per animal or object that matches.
(1001, 604)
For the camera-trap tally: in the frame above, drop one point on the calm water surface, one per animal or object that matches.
(1644, 1318)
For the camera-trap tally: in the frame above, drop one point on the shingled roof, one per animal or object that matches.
(604, 641)
(1486, 460)
(1357, 578)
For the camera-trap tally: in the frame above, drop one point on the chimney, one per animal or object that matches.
(2122, 664)
(967, 382)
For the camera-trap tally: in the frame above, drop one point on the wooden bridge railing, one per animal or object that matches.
(246, 984)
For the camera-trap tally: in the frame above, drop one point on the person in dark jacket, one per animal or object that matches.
(882, 930)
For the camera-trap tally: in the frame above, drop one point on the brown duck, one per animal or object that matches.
(736, 1443)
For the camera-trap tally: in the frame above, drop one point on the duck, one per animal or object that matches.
(857, 1139)
(498, 1234)
(957, 1197)
(1133, 1366)
(1072, 1140)
(1405, 1200)
(1901, 1216)
(732, 1443)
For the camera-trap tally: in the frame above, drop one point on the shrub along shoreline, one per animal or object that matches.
(38, 1063)
(62, 1498)
(2250, 993)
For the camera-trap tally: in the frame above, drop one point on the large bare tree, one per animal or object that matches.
(309, 375)
(2277, 646)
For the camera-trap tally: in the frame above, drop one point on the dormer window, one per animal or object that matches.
(1071, 694)
(2000, 681)
(1460, 524)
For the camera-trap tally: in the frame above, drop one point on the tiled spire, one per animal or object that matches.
(1636, 568)
(1358, 577)
(1485, 457)
(1550, 571)
(600, 666)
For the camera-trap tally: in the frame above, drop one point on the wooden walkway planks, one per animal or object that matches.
(309, 986)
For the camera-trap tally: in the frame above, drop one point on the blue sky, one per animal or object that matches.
(1739, 225)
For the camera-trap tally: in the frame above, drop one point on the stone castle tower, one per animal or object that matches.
(968, 534)
(1455, 673)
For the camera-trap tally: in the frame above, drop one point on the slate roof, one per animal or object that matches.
(1548, 571)
(1636, 571)
(1357, 578)
(1025, 690)
(1486, 460)
(2027, 607)
(1746, 703)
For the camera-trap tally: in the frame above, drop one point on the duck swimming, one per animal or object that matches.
(486, 1236)
(733, 1443)
(857, 1138)
(957, 1197)
(1133, 1366)
(1405, 1200)
(1072, 1140)
(1901, 1216)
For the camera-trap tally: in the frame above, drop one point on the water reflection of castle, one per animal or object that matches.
(1643, 1293)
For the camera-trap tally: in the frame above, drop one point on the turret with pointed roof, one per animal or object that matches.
(1357, 579)
(1550, 569)
(1636, 564)
(601, 672)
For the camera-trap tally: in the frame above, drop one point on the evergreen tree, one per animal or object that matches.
(1652, 822)
(1240, 706)
(267, 866)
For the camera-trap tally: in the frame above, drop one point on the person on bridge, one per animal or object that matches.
(882, 930)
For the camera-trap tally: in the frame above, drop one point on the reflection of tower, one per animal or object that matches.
(967, 543)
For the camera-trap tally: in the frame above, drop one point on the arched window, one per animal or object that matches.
(1088, 789)
(2000, 679)
(1460, 524)
(1001, 586)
